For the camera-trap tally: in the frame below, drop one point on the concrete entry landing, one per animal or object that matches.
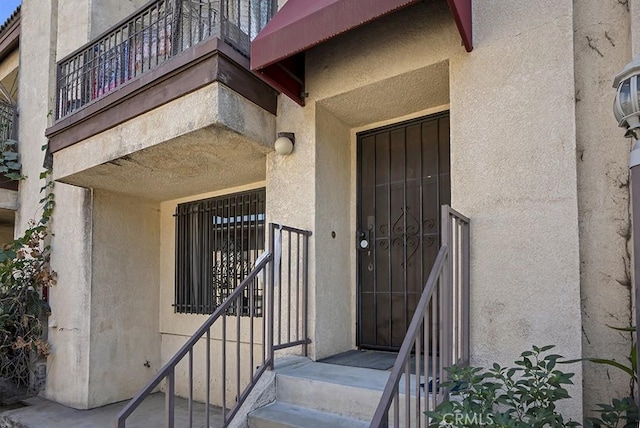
(377, 360)
(41, 413)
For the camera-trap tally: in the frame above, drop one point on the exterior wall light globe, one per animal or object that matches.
(283, 146)
(626, 106)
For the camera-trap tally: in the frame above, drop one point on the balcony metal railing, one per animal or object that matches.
(243, 355)
(438, 335)
(10, 170)
(150, 37)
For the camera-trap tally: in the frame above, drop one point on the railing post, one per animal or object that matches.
(58, 97)
(270, 293)
(305, 295)
(176, 37)
(445, 297)
(13, 132)
(466, 297)
(170, 399)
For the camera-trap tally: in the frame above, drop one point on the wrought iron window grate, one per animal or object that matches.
(217, 243)
(150, 37)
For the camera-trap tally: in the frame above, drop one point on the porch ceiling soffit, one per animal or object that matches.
(208, 159)
(277, 53)
(392, 97)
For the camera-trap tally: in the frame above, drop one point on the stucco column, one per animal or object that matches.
(513, 157)
(67, 371)
(634, 165)
(635, 204)
(634, 9)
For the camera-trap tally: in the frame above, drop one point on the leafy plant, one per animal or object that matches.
(621, 412)
(24, 273)
(10, 167)
(520, 396)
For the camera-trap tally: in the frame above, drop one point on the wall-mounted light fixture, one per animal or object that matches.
(284, 143)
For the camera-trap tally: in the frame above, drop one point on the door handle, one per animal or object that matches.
(362, 240)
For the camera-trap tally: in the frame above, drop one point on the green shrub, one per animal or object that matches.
(520, 396)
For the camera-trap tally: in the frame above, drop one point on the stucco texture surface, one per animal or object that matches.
(513, 155)
(125, 338)
(602, 48)
(68, 367)
(291, 187)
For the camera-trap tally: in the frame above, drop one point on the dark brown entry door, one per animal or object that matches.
(403, 179)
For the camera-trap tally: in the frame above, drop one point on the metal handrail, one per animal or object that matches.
(157, 32)
(269, 262)
(168, 370)
(440, 325)
(300, 334)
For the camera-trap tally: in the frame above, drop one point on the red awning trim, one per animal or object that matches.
(461, 11)
(287, 76)
(302, 24)
(277, 53)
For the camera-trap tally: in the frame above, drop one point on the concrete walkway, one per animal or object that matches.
(41, 413)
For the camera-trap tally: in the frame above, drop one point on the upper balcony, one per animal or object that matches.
(163, 54)
(142, 42)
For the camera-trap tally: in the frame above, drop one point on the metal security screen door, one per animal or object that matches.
(403, 179)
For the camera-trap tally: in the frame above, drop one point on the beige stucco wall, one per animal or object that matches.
(125, 339)
(71, 37)
(291, 186)
(513, 157)
(602, 46)
(105, 14)
(334, 328)
(90, 19)
(634, 8)
(68, 329)
(70, 320)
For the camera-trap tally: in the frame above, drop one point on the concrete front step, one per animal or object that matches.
(284, 415)
(311, 394)
(352, 392)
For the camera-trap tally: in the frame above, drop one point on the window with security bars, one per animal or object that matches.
(217, 243)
